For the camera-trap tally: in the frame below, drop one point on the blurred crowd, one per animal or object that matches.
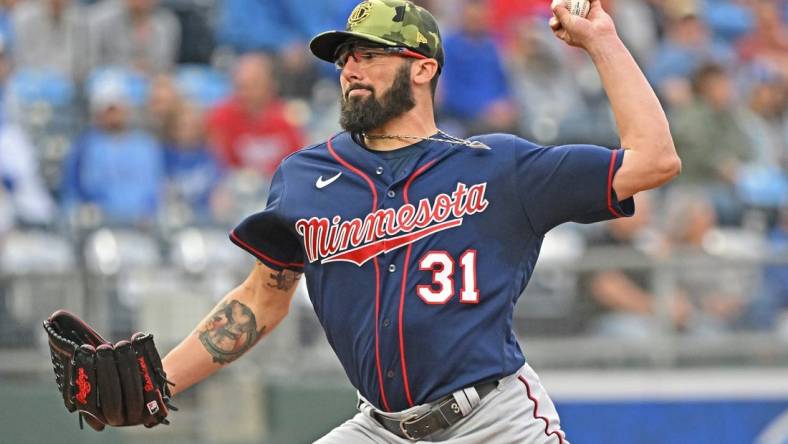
(164, 114)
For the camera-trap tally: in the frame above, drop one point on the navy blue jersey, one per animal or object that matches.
(414, 278)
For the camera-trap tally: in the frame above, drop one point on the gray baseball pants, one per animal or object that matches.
(517, 412)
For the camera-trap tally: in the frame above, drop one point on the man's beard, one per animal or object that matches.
(362, 114)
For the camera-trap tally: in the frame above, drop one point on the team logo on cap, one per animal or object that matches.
(359, 14)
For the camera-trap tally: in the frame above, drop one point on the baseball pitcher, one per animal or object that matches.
(415, 245)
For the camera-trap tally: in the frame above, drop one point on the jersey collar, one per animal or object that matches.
(369, 162)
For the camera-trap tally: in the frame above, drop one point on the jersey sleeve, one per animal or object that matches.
(267, 236)
(568, 183)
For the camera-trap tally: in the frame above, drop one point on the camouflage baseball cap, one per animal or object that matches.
(396, 23)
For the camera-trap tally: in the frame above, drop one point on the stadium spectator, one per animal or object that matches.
(53, 35)
(252, 129)
(6, 19)
(718, 291)
(766, 117)
(193, 172)
(296, 72)
(506, 15)
(24, 200)
(637, 24)
(281, 29)
(6, 70)
(474, 88)
(710, 139)
(271, 25)
(24, 197)
(621, 300)
(768, 41)
(686, 47)
(551, 103)
(134, 34)
(162, 102)
(729, 20)
(763, 182)
(197, 39)
(776, 275)
(113, 166)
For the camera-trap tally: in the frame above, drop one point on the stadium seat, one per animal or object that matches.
(36, 251)
(197, 250)
(30, 86)
(107, 251)
(134, 84)
(202, 84)
(43, 102)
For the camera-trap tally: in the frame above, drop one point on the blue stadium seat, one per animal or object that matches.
(28, 86)
(44, 103)
(135, 84)
(202, 84)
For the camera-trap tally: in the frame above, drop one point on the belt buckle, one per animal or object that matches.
(407, 421)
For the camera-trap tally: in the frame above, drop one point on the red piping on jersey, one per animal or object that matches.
(610, 185)
(536, 408)
(402, 292)
(377, 270)
(266, 257)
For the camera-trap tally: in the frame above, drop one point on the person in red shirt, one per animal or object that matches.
(252, 129)
(504, 14)
(768, 41)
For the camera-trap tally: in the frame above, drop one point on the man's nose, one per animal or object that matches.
(352, 70)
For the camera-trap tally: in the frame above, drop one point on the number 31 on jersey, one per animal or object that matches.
(443, 267)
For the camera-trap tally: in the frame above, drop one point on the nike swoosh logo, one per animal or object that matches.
(324, 183)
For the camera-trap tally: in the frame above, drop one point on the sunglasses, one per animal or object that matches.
(368, 56)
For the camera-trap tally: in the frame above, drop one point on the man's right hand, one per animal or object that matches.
(582, 32)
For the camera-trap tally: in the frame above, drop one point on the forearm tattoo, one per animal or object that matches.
(284, 280)
(229, 332)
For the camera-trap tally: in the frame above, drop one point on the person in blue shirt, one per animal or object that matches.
(113, 166)
(688, 45)
(193, 171)
(475, 87)
(270, 25)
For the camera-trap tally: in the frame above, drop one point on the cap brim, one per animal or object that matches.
(324, 45)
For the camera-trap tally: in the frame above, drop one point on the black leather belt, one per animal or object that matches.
(444, 413)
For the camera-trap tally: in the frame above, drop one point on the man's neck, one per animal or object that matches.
(412, 124)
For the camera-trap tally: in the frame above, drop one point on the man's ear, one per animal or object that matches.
(422, 71)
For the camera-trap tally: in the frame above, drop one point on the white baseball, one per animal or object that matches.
(575, 7)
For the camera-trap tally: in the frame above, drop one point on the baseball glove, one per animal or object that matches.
(120, 384)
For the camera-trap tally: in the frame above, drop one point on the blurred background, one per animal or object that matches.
(135, 133)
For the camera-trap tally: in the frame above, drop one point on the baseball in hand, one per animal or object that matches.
(575, 7)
